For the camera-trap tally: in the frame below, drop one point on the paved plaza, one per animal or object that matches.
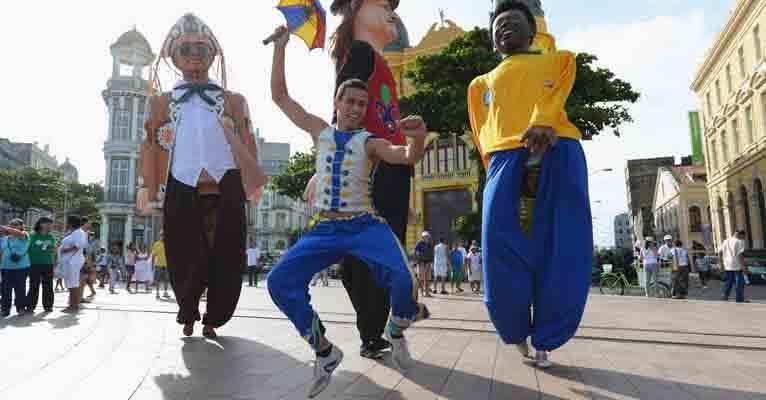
(127, 346)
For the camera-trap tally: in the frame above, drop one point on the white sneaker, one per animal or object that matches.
(523, 348)
(541, 360)
(323, 369)
(400, 352)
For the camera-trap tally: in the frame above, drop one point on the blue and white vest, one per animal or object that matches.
(344, 172)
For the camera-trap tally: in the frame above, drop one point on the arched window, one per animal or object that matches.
(758, 187)
(695, 219)
(732, 213)
(721, 221)
(745, 203)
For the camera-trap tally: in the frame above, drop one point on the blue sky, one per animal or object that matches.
(57, 71)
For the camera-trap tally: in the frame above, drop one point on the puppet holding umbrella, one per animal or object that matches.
(305, 19)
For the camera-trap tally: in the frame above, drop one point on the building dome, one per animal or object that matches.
(403, 42)
(133, 39)
(69, 171)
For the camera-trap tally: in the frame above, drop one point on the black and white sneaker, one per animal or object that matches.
(323, 369)
(367, 351)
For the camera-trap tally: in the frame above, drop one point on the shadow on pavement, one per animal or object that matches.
(643, 387)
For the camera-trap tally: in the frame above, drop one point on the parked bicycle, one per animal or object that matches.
(615, 283)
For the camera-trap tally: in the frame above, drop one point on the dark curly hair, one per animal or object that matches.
(502, 6)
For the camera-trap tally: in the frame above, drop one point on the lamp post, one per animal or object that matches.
(594, 172)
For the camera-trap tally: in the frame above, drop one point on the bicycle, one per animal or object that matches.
(614, 283)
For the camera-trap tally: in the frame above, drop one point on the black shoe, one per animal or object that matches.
(379, 344)
(49, 310)
(5, 313)
(367, 352)
(21, 310)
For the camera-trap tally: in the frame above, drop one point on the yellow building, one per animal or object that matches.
(681, 207)
(731, 85)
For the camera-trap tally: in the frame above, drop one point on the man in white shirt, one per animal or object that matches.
(200, 162)
(253, 254)
(666, 250)
(733, 250)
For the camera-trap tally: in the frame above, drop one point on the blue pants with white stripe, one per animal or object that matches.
(366, 238)
(538, 285)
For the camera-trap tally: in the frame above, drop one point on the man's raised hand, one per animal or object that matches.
(414, 127)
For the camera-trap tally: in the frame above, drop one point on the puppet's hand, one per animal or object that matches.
(281, 36)
(538, 139)
(142, 201)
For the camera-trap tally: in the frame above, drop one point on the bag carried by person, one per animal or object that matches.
(15, 257)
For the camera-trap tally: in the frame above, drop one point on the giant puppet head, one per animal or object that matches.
(191, 46)
(375, 19)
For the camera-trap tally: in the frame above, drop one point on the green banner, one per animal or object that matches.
(696, 131)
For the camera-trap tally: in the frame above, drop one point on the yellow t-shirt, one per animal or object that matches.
(158, 253)
(525, 90)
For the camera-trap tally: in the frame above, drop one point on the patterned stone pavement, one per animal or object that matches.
(127, 346)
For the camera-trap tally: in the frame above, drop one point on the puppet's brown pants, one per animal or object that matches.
(205, 246)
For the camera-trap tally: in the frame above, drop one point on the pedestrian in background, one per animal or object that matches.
(457, 267)
(72, 251)
(441, 265)
(130, 263)
(14, 268)
(650, 257)
(41, 256)
(160, 262)
(116, 265)
(682, 266)
(733, 250)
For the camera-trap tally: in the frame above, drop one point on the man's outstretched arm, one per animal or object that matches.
(294, 111)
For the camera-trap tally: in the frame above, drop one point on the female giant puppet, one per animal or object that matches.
(537, 275)
(200, 161)
(367, 26)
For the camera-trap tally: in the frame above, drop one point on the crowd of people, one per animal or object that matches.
(682, 262)
(76, 263)
(437, 264)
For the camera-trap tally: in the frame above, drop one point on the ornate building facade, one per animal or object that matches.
(126, 101)
(731, 86)
(681, 206)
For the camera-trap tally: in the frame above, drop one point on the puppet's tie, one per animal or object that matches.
(199, 89)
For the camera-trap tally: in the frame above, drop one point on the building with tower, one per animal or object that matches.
(126, 98)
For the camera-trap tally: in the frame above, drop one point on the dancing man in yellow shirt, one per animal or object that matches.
(536, 268)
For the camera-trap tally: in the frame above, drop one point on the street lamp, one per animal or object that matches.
(591, 173)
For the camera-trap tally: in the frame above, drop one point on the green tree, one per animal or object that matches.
(81, 199)
(598, 100)
(28, 188)
(293, 180)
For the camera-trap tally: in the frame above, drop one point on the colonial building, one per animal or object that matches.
(623, 231)
(446, 180)
(277, 216)
(731, 86)
(681, 206)
(641, 179)
(126, 98)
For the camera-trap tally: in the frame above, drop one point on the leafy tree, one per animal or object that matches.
(81, 199)
(293, 180)
(28, 188)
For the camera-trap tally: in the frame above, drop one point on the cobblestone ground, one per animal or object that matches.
(127, 346)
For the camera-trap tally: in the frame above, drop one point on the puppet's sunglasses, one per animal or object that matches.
(195, 49)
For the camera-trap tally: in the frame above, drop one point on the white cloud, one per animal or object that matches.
(659, 57)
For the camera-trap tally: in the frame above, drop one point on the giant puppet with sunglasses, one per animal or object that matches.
(200, 166)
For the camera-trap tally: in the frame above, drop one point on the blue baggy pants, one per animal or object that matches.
(365, 237)
(537, 286)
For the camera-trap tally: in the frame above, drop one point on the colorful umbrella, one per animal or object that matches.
(305, 19)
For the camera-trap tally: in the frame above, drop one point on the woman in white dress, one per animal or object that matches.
(475, 269)
(143, 267)
(72, 253)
